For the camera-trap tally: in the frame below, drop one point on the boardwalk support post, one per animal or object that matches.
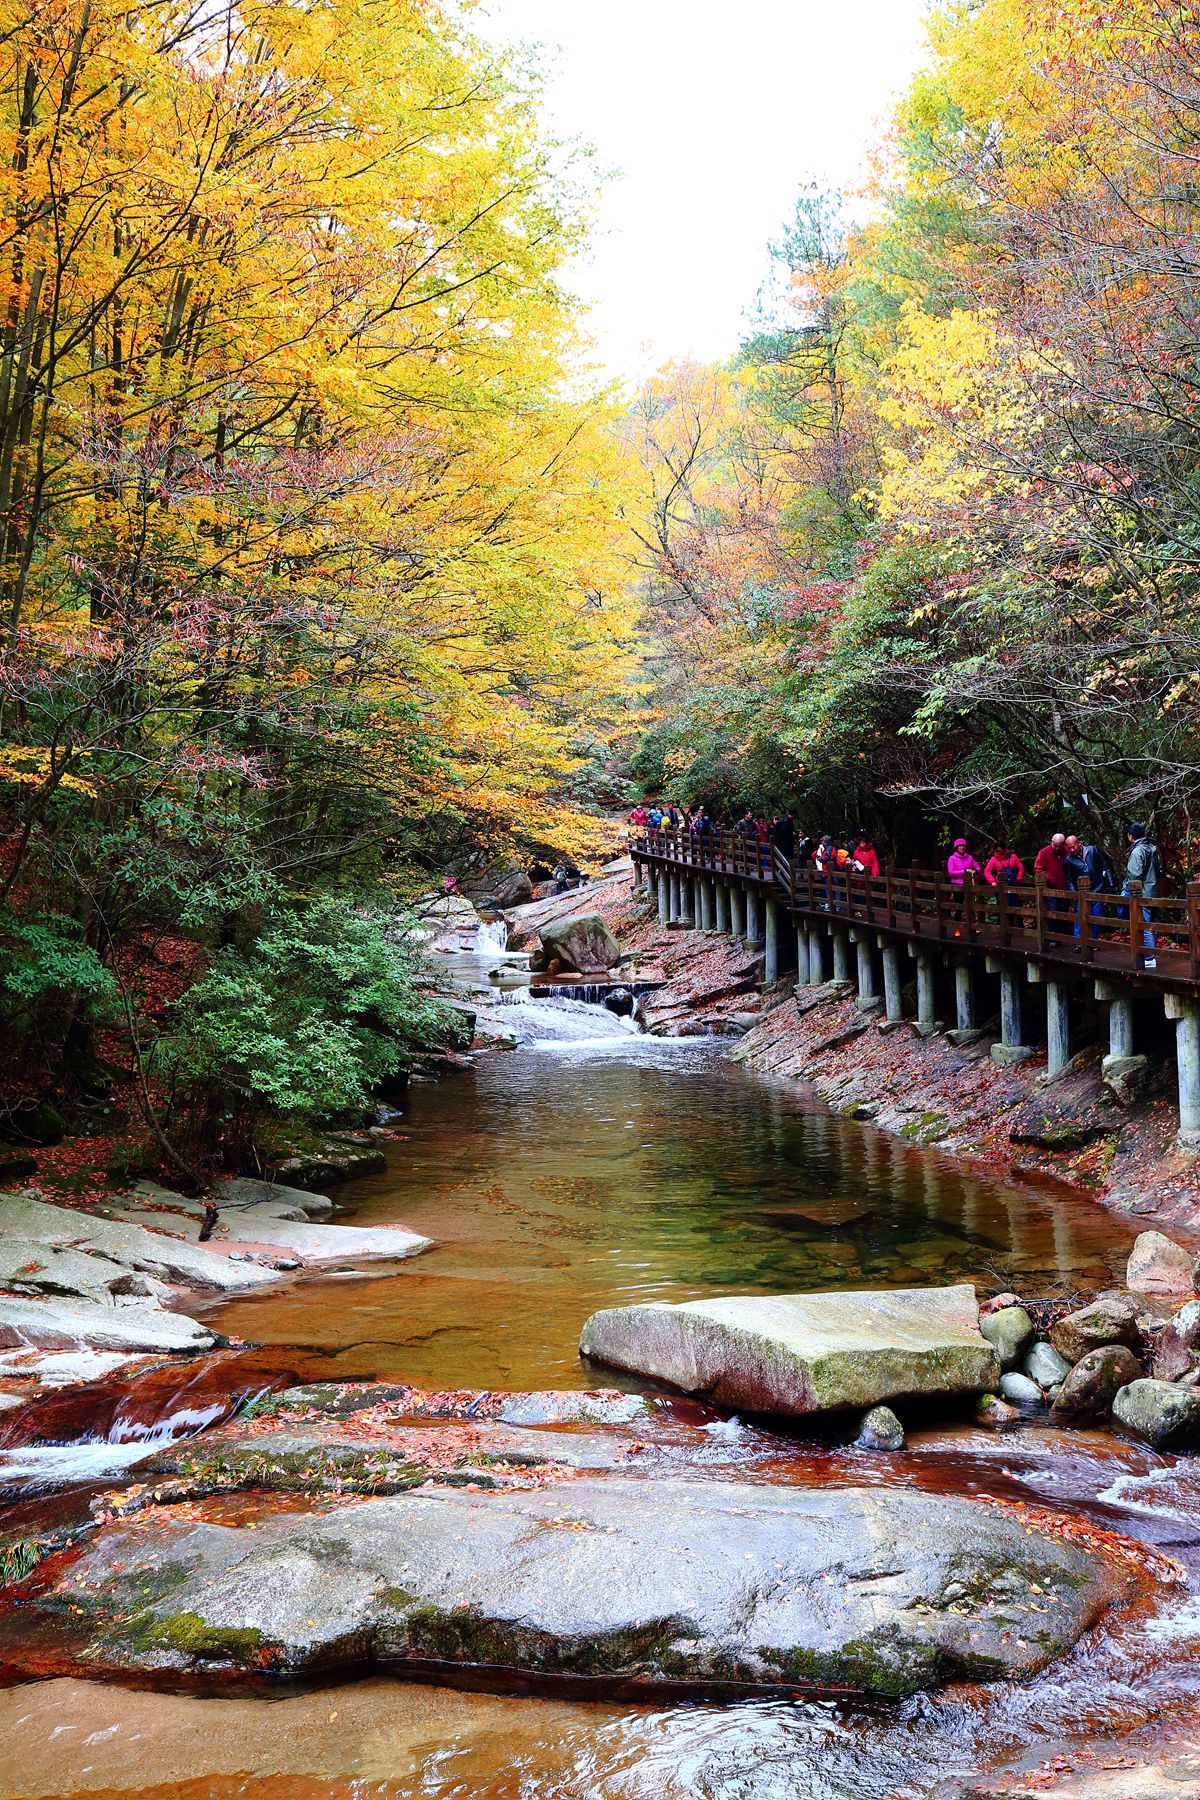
(722, 908)
(771, 956)
(966, 1030)
(754, 936)
(706, 912)
(1058, 1028)
(868, 999)
(1010, 1049)
(841, 958)
(893, 1006)
(687, 901)
(1186, 1014)
(676, 897)
(665, 883)
(816, 956)
(1120, 1058)
(737, 910)
(803, 975)
(925, 1023)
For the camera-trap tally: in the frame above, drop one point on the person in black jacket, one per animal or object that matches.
(783, 834)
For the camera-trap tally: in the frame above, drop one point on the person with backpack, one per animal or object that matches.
(1087, 862)
(1144, 866)
(1003, 867)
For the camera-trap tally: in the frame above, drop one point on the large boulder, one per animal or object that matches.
(803, 1353)
(1158, 1266)
(1113, 1319)
(513, 889)
(1088, 1390)
(641, 1584)
(1160, 1413)
(582, 943)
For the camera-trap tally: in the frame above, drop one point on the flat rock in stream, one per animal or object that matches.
(325, 1243)
(27, 1215)
(803, 1353)
(82, 1325)
(633, 1583)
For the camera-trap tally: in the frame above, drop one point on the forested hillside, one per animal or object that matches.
(310, 583)
(925, 553)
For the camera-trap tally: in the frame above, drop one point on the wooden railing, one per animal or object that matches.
(1103, 932)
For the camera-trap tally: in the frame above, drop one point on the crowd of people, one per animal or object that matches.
(1065, 862)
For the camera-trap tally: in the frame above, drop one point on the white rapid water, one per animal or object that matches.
(560, 1024)
(130, 1441)
(491, 937)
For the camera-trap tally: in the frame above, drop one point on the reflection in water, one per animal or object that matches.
(589, 1171)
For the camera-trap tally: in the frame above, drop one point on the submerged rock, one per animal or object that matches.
(81, 1325)
(996, 1414)
(632, 1583)
(1159, 1413)
(1089, 1389)
(27, 1215)
(1010, 1330)
(803, 1353)
(1019, 1390)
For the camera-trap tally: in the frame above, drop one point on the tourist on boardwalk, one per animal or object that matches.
(805, 851)
(701, 823)
(1050, 862)
(960, 863)
(1003, 867)
(1144, 867)
(747, 826)
(783, 834)
(865, 857)
(639, 815)
(1087, 862)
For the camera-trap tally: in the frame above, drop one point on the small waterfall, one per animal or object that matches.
(561, 1021)
(491, 937)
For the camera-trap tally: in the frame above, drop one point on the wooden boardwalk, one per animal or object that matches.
(1107, 935)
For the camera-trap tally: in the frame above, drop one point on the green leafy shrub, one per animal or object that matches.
(305, 1022)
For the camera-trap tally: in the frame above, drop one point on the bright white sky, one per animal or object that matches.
(713, 112)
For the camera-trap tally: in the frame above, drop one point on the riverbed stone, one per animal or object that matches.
(1112, 1319)
(582, 943)
(996, 1414)
(803, 1353)
(1042, 1363)
(875, 1591)
(1091, 1385)
(82, 1325)
(247, 1190)
(30, 1267)
(27, 1215)
(1160, 1413)
(1010, 1330)
(325, 1243)
(1158, 1266)
(880, 1430)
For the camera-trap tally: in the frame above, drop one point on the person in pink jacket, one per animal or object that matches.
(960, 863)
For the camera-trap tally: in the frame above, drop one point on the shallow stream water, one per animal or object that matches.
(591, 1166)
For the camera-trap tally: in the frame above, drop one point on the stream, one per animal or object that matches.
(589, 1166)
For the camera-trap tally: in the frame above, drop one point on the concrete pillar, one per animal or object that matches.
(1186, 1014)
(687, 899)
(676, 896)
(737, 910)
(866, 971)
(664, 899)
(722, 908)
(754, 934)
(964, 996)
(892, 1005)
(816, 956)
(841, 957)
(1120, 1026)
(1058, 1030)
(926, 1004)
(802, 970)
(1010, 1049)
(771, 961)
(707, 912)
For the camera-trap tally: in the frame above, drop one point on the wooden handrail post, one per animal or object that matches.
(1083, 901)
(1136, 920)
(968, 910)
(1039, 921)
(1193, 927)
(1002, 909)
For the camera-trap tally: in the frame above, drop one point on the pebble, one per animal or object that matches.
(1043, 1364)
(1018, 1389)
(880, 1430)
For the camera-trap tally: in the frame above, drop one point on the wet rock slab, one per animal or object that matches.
(797, 1354)
(632, 1583)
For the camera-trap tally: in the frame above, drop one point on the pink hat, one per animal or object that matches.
(960, 843)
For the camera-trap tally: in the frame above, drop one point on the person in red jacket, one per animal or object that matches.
(1003, 866)
(1050, 862)
(866, 855)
